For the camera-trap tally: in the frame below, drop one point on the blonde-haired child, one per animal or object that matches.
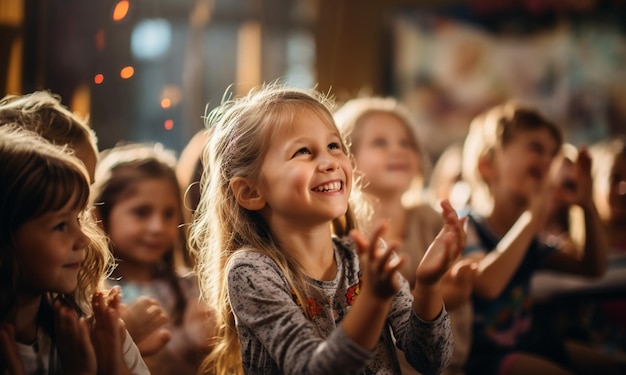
(294, 292)
(53, 259)
(392, 165)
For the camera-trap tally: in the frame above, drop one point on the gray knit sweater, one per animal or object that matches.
(277, 338)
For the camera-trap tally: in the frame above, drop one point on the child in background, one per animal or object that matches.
(609, 172)
(508, 156)
(295, 294)
(51, 268)
(189, 170)
(391, 164)
(138, 201)
(43, 113)
(565, 223)
(446, 181)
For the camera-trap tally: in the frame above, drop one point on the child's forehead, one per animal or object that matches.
(306, 119)
(536, 134)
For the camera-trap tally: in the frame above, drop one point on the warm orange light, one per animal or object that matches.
(121, 10)
(168, 124)
(98, 78)
(127, 72)
(166, 103)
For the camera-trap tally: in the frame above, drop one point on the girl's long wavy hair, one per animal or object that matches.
(241, 135)
(37, 178)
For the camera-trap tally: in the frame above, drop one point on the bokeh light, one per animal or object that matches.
(127, 72)
(121, 10)
(98, 78)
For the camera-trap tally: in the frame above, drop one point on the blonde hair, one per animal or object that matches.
(241, 135)
(38, 177)
(495, 129)
(604, 154)
(43, 113)
(353, 113)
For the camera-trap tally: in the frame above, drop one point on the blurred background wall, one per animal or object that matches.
(147, 70)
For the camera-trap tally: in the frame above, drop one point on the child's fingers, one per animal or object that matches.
(359, 240)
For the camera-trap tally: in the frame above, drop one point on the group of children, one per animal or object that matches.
(309, 249)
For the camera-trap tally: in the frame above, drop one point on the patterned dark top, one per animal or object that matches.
(276, 337)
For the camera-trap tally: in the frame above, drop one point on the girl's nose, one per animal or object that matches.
(156, 223)
(328, 163)
(82, 241)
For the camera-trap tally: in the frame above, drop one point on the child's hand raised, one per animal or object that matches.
(144, 319)
(76, 353)
(379, 264)
(584, 180)
(108, 333)
(444, 249)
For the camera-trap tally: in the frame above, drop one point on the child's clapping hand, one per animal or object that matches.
(444, 250)
(379, 264)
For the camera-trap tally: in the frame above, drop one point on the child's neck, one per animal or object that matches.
(134, 271)
(312, 249)
(26, 320)
(504, 215)
(394, 213)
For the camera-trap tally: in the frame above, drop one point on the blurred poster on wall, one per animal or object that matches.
(451, 63)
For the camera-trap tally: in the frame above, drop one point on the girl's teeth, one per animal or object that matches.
(329, 187)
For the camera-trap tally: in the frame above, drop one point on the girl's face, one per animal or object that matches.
(305, 177)
(143, 226)
(50, 250)
(385, 154)
(519, 169)
(617, 189)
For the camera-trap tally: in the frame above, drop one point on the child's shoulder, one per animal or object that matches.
(252, 259)
(425, 213)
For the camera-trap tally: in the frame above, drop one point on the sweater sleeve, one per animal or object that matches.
(274, 333)
(133, 358)
(427, 345)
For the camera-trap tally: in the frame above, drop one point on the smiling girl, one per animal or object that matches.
(295, 293)
(52, 262)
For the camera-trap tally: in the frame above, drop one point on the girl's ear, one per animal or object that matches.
(247, 196)
(485, 166)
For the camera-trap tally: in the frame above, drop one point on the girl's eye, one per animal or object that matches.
(379, 142)
(141, 212)
(537, 148)
(169, 214)
(406, 144)
(334, 146)
(60, 226)
(302, 151)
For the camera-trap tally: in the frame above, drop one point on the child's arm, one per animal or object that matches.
(443, 251)
(595, 258)
(368, 315)
(496, 268)
(457, 284)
